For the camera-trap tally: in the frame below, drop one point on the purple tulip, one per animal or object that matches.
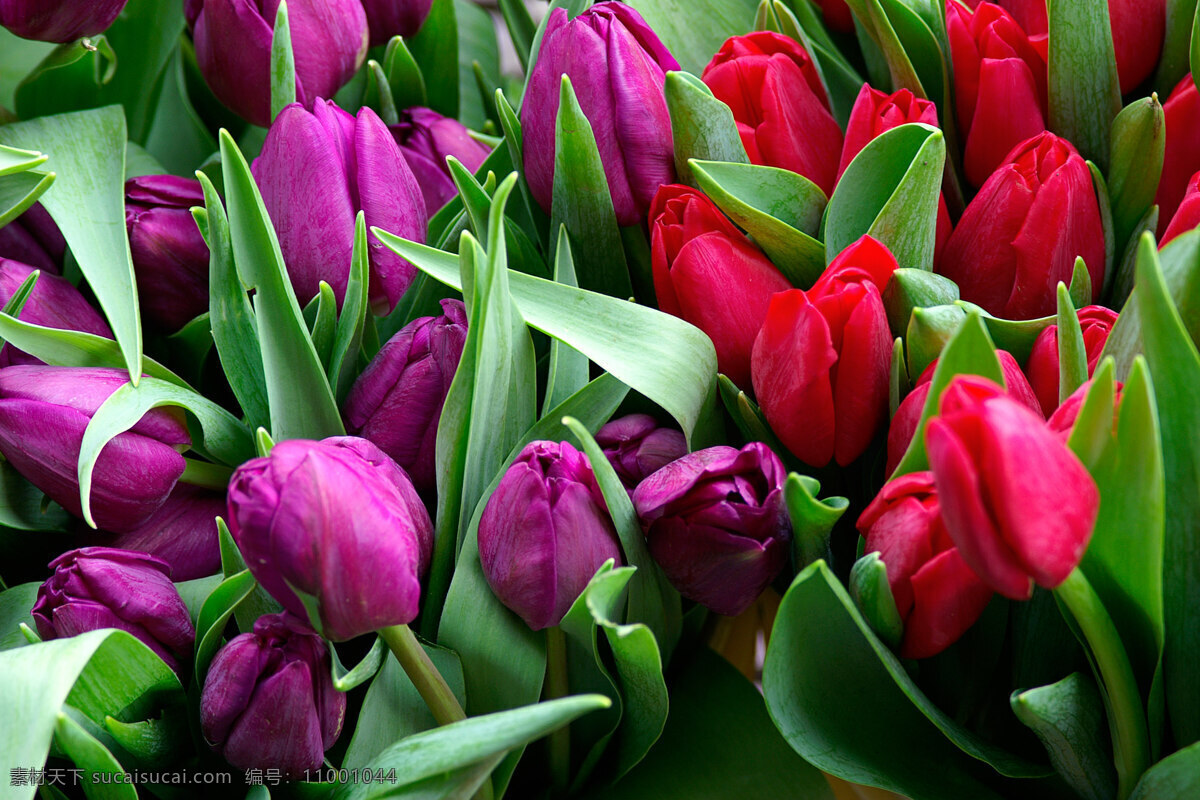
(233, 49)
(715, 522)
(170, 257)
(544, 533)
(397, 401)
(53, 303)
(103, 587)
(269, 701)
(338, 521)
(316, 172)
(426, 138)
(388, 18)
(58, 20)
(33, 238)
(637, 447)
(617, 67)
(43, 414)
(182, 533)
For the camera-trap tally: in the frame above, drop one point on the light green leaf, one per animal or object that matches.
(812, 519)
(1085, 95)
(695, 29)
(93, 758)
(352, 321)
(568, 371)
(214, 614)
(1173, 64)
(435, 50)
(403, 75)
(1068, 717)
(283, 63)
(873, 598)
(1139, 137)
(702, 127)
(1072, 355)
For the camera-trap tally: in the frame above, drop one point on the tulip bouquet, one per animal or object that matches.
(738, 398)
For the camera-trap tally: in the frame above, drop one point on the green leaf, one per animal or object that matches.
(847, 705)
(1139, 138)
(234, 327)
(929, 331)
(1068, 717)
(435, 49)
(969, 352)
(1175, 364)
(101, 673)
(747, 416)
(583, 204)
(299, 397)
(324, 320)
(841, 79)
(21, 504)
(20, 183)
(568, 372)
(890, 191)
(695, 29)
(1085, 95)
(1173, 64)
(1072, 355)
(1080, 291)
(1106, 224)
(225, 437)
(1175, 777)
(283, 63)
(873, 598)
(780, 209)
(910, 289)
(378, 94)
(478, 63)
(178, 138)
(702, 127)
(812, 519)
(352, 321)
(521, 28)
(346, 679)
(666, 359)
(403, 75)
(254, 605)
(535, 223)
(17, 57)
(214, 615)
(93, 758)
(87, 152)
(1194, 54)
(874, 22)
(393, 709)
(15, 605)
(452, 747)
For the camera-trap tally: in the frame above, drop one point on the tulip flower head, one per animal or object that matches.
(183, 533)
(34, 239)
(637, 447)
(716, 524)
(1187, 216)
(58, 20)
(388, 18)
(103, 587)
(1042, 367)
(1018, 504)
(427, 139)
(53, 303)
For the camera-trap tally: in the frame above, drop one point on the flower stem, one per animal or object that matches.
(1122, 699)
(205, 475)
(424, 675)
(556, 686)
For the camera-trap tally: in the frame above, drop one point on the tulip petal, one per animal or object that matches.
(1008, 113)
(860, 389)
(948, 598)
(280, 728)
(233, 50)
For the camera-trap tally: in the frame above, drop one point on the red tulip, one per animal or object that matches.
(1062, 421)
(821, 361)
(908, 415)
(1042, 366)
(708, 273)
(937, 594)
(994, 60)
(1021, 234)
(874, 113)
(779, 102)
(1182, 157)
(837, 15)
(1017, 503)
(1187, 216)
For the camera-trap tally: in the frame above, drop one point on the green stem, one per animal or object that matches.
(1123, 701)
(556, 687)
(424, 675)
(205, 475)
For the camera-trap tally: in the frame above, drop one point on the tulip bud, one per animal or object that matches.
(426, 139)
(1187, 216)
(43, 414)
(397, 401)
(103, 587)
(772, 86)
(33, 238)
(822, 360)
(1021, 234)
(58, 20)
(877, 112)
(170, 257)
(904, 423)
(338, 521)
(53, 303)
(937, 594)
(837, 15)
(698, 255)
(999, 85)
(544, 533)
(183, 533)
(637, 447)
(617, 67)
(716, 523)
(233, 49)
(1181, 159)
(1017, 502)
(1062, 421)
(1042, 366)
(388, 18)
(269, 701)
(316, 172)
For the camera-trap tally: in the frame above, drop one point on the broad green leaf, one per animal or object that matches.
(283, 63)
(702, 127)
(17, 58)
(780, 209)
(435, 49)
(929, 332)
(1175, 364)
(922, 52)
(1139, 138)
(93, 758)
(351, 322)
(1072, 355)
(300, 400)
(847, 705)
(178, 138)
(890, 191)
(214, 614)
(666, 359)
(521, 28)
(873, 598)
(1175, 777)
(969, 352)
(1176, 51)
(393, 710)
(568, 371)
(225, 437)
(15, 605)
(257, 603)
(874, 22)
(87, 152)
(909, 289)
(452, 747)
(234, 327)
(1015, 336)
(1068, 717)
(695, 29)
(1085, 95)
(478, 63)
(812, 519)
(583, 204)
